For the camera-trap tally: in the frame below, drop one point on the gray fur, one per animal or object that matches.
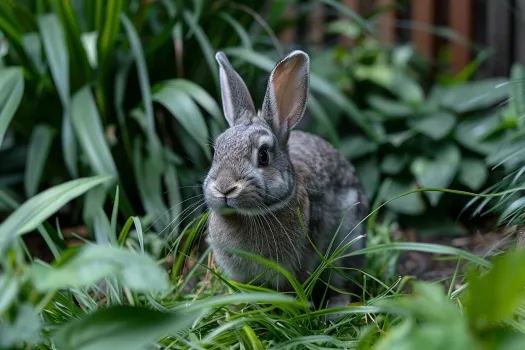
(254, 208)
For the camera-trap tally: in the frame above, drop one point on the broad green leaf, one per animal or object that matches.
(393, 163)
(494, 297)
(435, 126)
(9, 287)
(122, 328)
(88, 128)
(57, 53)
(438, 171)
(407, 89)
(367, 170)
(472, 131)
(39, 208)
(473, 173)
(25, 328)
(389, 108)
(187, 113)
(11, 91)
(475, 95)
(411, 204)
(94, 263)
(39, 147)
(433, 322)
(356, 146)
(201, 96)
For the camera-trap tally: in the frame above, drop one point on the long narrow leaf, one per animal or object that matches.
(11, 90)
(88, 128)
(39, 147)
(39, 208)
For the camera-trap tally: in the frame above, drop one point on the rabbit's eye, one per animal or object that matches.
(263, 157)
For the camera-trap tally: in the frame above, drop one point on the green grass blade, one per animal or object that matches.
(11, 91)
(39, 147)
(88, 128)
(40, 207)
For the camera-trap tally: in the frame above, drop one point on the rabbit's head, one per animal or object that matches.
(251, 171)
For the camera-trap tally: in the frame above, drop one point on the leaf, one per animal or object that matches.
(389, 108)
(142, 70)
(9, 287)
(187, 113)
(39, 147)
(322, 118)
(205, 44)
(356, 146)
(517, 92)
(57, 54)
(121, 328)
(494, 297)
(148, 175)
(39, 208)
(438, 171)
(11, 90)
(435, 126)
(25, 328)
(93, 263)
(393, 163)
(472, 132)
(407, 89)
(411, 204)
(475, 95)
(367, 171)
(69, 145)
(473, 173)
(200, 95)
(88, 127)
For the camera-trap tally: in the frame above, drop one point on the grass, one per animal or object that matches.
(119, 291)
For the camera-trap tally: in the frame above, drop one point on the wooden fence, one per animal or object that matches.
(466, 27)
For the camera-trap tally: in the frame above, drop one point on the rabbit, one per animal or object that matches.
(262, 172)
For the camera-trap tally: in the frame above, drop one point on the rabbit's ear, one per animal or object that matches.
(287, 92)
(236, 100)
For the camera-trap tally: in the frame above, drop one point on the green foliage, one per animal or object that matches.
(426, 135)
(111, 293)
(510, 156)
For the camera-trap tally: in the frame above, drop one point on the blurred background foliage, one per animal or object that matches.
(129, 88)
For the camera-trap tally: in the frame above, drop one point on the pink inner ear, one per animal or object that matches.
(288, 80)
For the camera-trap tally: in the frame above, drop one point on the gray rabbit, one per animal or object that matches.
(263, 172)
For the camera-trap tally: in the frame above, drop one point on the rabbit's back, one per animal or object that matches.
(335, 194)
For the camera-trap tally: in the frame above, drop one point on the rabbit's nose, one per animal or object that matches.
(230, 191)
